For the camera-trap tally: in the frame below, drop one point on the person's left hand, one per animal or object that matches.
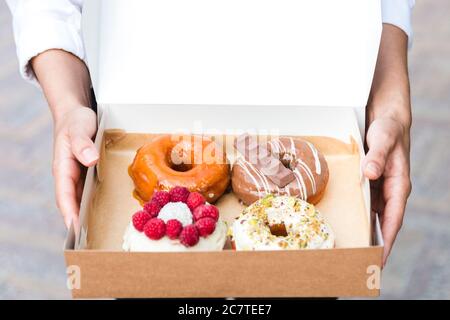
(387, 166)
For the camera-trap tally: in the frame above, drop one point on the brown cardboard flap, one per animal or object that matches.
(307, 273)
(113, 204)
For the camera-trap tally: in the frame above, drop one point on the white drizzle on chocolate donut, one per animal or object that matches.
(292, 145)
(303, 166)
(316, 157)
(250, 182)
(242, 163)
(258, 173)
(308, 172)
(301, 184)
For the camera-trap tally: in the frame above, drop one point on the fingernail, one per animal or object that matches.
(89, 155)
(373, 168)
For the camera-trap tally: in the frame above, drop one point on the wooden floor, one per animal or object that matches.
(32, 233)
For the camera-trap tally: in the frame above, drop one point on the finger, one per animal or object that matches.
(82, 146)
(66, 172)
(80, 132)
(397, 190)
(381, 140)
(85, 151)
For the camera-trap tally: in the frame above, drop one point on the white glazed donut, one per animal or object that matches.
(279, 223)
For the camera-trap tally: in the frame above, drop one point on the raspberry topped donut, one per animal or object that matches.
(177, 220)
(193, 162)
(285, 166)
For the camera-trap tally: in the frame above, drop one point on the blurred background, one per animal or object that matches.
(32, 233)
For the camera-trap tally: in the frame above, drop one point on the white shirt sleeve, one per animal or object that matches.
(45, 24)
(398, 13)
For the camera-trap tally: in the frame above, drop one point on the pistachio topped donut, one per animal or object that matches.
(283, 222)
(304, 171)
(194, 162)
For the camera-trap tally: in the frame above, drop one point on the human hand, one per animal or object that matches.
(387, 166)
(73, 151)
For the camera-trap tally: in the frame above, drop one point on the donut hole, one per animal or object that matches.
(278, 230)
(180, 159)
(182, 167)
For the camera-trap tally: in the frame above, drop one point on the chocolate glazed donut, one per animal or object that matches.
(309, 175)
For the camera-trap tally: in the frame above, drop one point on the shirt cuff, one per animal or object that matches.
(398, 13)
(39, 36)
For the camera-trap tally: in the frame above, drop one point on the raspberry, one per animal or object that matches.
(194, 200)
(155, 229)
(205, 226)
(139, 219)
(206, 210)
(152, 208)
(189, 236)
(179, 194)
(161, 197)
(173, 228)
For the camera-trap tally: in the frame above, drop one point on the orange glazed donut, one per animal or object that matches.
(194, 162)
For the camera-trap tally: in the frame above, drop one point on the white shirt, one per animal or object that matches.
(56, 24)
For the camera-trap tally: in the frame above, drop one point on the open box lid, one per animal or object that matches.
(232, 52)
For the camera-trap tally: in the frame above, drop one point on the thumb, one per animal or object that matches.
(82, 147)
(380, 142)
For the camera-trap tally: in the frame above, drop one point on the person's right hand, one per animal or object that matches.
(73, 149)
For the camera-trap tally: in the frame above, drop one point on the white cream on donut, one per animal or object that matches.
(134, 240)
(306, 228)
(176, 210)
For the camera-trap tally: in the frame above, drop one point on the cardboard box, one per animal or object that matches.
(210, 102)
